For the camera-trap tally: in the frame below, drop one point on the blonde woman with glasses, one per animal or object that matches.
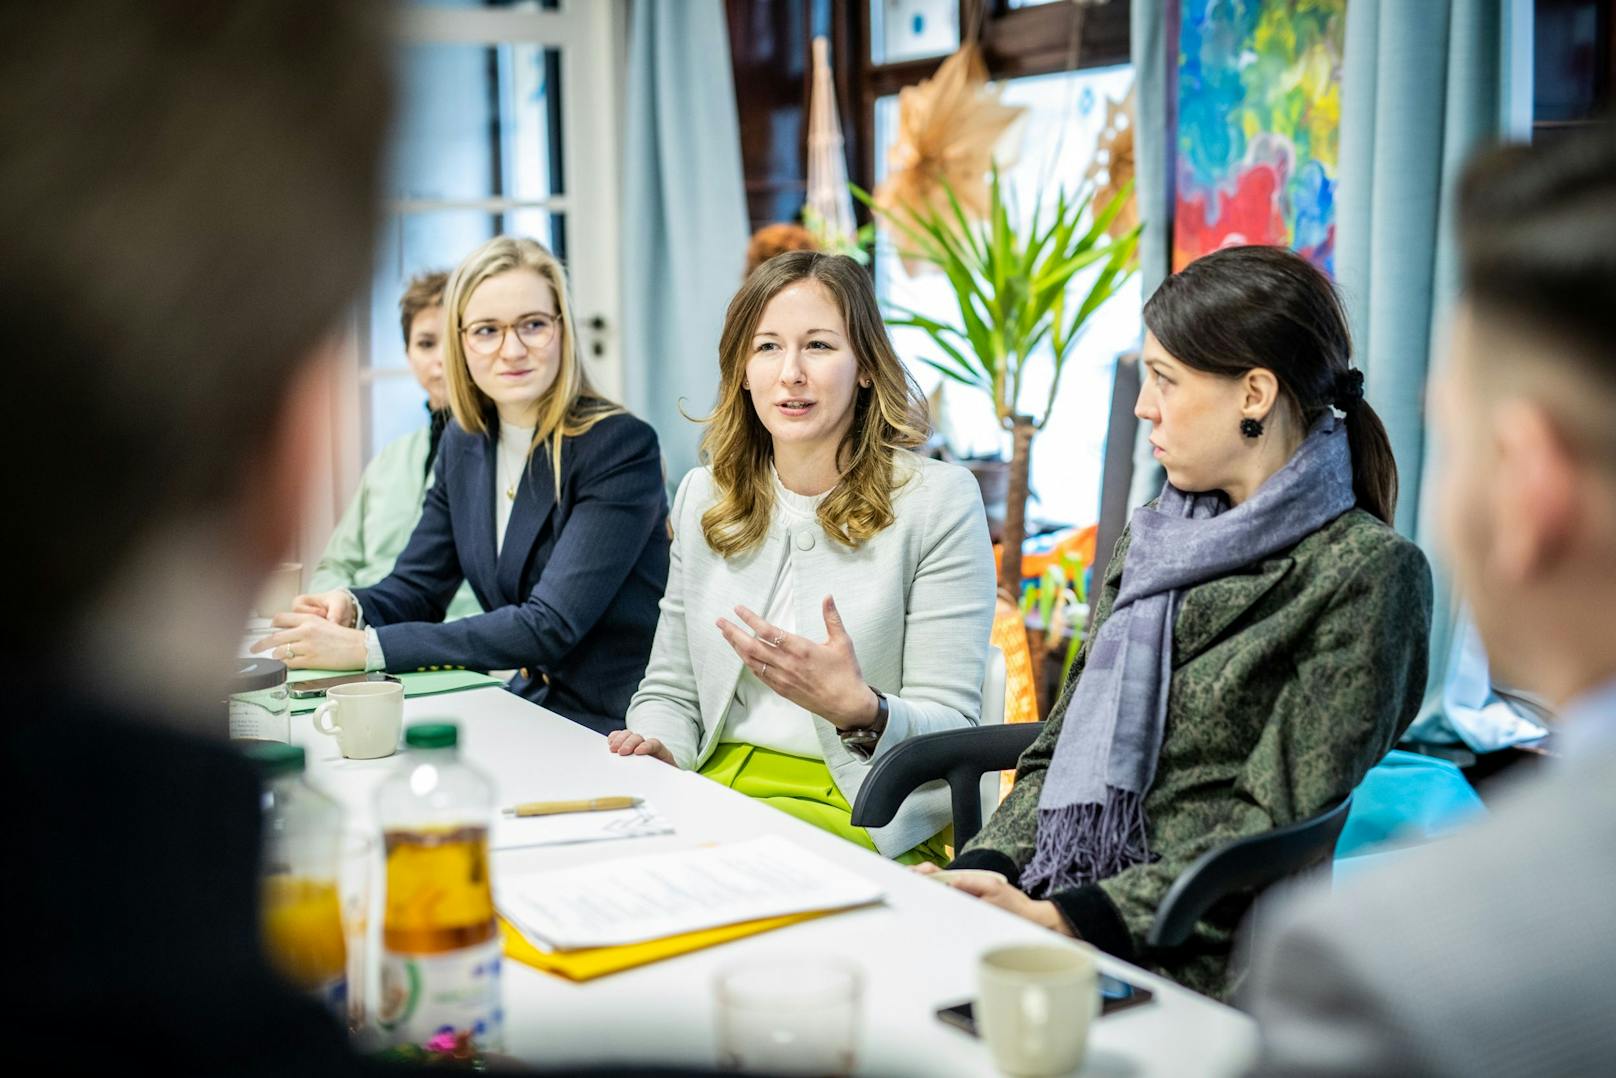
(547, 498)
(830, 593)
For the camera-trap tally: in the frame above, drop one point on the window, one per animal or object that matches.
(493, 97)
(1574, 62)
(1062, 63)
(476, 154)
(913, 29)
(1065, 111)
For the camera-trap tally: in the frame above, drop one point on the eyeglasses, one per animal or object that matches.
(535, 331)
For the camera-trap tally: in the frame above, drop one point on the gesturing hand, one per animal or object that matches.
(823, 679)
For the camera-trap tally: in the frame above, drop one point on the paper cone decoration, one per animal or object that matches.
(1112, 166)
(829, 211)
(948, 126)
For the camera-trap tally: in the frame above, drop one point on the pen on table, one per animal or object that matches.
(556, 808)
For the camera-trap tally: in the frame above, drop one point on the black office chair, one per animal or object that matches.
(1116, 473)
(959, 757)
(1246, 865)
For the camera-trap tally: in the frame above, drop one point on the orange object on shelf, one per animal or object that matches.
(1039, 553)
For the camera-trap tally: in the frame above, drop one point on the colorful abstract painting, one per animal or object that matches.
(1259, 111)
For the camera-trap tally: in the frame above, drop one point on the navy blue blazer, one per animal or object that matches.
(572, 597)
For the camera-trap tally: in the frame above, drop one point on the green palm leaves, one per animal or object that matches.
(1014, 288)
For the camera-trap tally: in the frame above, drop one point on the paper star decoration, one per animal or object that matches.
(948, 126)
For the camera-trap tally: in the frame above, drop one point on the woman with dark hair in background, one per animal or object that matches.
(1260, 641)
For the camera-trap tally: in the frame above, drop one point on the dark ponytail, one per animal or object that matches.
(1242, 308)
(1374, 469)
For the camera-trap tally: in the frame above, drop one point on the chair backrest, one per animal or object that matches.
(1116, 473)
(1246, 865)
(958, 757)
(993, 707)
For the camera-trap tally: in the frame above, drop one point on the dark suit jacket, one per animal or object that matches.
(572, 595)
(134, 898)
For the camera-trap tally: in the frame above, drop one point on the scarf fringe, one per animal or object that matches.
(1083, 843)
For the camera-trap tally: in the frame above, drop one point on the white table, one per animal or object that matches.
(918, 951)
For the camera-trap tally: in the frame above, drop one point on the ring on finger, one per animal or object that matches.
(765, 670)
(777, 641)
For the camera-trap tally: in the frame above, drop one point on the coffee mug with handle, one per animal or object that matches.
(366, 718)
(1037, 1003)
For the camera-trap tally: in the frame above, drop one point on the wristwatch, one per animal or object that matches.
(865, 737)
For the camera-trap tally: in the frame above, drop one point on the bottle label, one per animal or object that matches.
(435, 999)
(260, 716)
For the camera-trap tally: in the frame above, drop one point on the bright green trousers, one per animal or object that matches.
(805, 789)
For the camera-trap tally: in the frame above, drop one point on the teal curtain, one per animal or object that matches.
(684, 215)
(1148, 53)
(1152, 168)
(1424, 85)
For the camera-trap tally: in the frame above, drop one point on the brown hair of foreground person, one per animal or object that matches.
(187, 202)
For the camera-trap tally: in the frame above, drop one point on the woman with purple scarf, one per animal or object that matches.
(1260, 640)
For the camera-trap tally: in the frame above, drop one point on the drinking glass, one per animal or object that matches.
(789, 1016)
(357, 880)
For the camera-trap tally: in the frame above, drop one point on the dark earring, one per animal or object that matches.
(1251, 428)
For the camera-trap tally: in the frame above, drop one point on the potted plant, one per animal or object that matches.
(1017, 306)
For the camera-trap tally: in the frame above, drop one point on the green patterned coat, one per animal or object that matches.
(1290, 680)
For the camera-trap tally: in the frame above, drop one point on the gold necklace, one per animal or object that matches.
(510, 488)
(517, 469)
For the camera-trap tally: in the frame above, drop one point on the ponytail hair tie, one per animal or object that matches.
(1348, 389)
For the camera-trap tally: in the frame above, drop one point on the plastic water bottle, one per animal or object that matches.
(303, 828)
(440, 941)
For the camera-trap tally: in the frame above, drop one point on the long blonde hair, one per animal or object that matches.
(888, 416)
(571, 406)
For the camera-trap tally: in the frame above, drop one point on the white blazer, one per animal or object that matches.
(916, 599)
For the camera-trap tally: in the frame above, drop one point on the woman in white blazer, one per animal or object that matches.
(829, 593)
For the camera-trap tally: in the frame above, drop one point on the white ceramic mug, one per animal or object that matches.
(366, 718)
(1037, 1002)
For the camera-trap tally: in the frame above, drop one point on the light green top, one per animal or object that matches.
(384, 511)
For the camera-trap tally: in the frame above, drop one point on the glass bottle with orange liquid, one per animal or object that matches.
(440, 940)
(302, 911)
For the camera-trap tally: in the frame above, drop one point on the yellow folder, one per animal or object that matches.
(586, 965)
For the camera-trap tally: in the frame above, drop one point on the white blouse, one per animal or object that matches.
(759, 716)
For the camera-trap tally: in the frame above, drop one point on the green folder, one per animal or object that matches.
(424, 683)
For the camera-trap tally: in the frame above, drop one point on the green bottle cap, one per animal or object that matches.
(432, 735)
(275, 759)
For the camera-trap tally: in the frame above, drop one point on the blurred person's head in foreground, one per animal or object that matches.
(776, 239)
(187, 206)
(1527, 410)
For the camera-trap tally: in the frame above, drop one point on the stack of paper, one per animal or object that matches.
(639, 899)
